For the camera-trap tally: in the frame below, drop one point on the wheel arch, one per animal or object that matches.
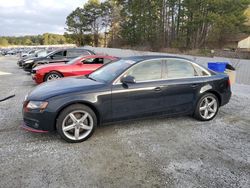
(88, 104)
(51, 71)
(216, 94)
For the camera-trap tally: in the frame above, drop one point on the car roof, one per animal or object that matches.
(83, 49)
(148, 57)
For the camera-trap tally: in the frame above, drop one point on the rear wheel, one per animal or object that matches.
(207, 107)
(52, 76)
(76, 123)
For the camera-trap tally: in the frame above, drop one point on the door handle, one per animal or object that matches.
(194, 85)
(157, 89)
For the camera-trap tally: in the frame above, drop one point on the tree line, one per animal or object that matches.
(45, 39)
(158, 24)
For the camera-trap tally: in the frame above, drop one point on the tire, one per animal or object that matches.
(74, 129)
(207, 107)
(52, 76)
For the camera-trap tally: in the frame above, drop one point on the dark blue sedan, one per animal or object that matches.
(129, 88)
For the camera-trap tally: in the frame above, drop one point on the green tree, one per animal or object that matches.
(180, 23)
(93, 19)
(27, 41)
(77, 24)
(3, 42)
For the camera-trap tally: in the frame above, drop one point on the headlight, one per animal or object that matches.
(29, 61)
(37, 105)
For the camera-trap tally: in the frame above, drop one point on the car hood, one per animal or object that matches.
(33, 58)
(26, 58)
(63, 86)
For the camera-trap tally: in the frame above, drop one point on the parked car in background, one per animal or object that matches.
(79, 66)
(27, 53)
(62, 55)
(10, 53)
(37, 54)
(129, 88)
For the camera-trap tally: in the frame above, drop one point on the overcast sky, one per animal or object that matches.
(31, 17)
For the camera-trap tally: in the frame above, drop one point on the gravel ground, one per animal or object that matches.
(158, 152)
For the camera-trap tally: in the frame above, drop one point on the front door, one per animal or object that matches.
(141, 98)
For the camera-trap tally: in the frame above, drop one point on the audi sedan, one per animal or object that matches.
(134, 87)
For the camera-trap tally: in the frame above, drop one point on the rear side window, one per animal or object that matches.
(77, 52)
(200, 71)
(147, 71)
(176, 68)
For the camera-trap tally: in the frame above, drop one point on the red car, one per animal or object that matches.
(79, 66)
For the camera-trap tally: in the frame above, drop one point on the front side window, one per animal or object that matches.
(59, 54)
(93, 61)
(147, 71)
(176, 68)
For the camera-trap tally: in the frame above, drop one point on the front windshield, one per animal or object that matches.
(41, 53)
(51, 53)
(74, 60)
(111, 71)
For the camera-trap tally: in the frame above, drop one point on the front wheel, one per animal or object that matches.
(76, 123)
(52, 76)
(207, 107)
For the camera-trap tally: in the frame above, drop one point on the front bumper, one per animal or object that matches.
(27, 128)
(39, 121)
(36, 78)
(20, 63)
(27, 67)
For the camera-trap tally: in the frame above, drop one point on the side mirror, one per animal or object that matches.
(128, 80)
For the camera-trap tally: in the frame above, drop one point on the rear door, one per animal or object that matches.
(181, 87)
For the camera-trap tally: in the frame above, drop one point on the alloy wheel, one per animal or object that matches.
(53, 77)
(77, 125)
(208, 107)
